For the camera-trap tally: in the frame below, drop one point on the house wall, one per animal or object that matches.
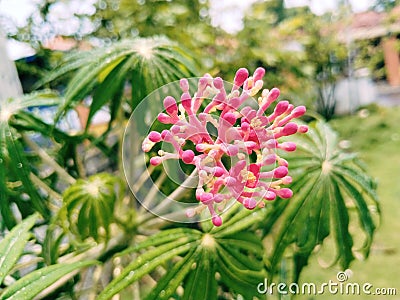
(392, 61)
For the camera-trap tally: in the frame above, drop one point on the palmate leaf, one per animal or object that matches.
(326, 182)
(146, 63)
(15, 169)
(205, 260)
(89, 206)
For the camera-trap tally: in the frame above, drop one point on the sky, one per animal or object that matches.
(227, 14)
(233, 10)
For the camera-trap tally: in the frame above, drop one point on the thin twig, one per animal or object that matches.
(152, 192)
(175, 195)
(48, 160)
(142, 179)
(52, 193)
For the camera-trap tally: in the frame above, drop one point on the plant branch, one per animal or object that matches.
(48, 160)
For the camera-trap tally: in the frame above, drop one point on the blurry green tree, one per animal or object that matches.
(385, 5)
(297, 48)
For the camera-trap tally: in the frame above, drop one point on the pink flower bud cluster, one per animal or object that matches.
(242, 130)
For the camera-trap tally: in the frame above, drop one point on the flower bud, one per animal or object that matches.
(164, 118)
(218, 83)
(249, 203)
(187, 156)
(288, 146)
(281, 107)
(175, 129)
(147, 145)
(269, 159)
(170, 105)
(280, 172)
(271, 144)
(186, 101)
(273, 95)
(156, 160)
(232, 150)
(245, 126)
(283, 162)
(217, 221)
(284, 193)
(206, 197)
(269, 195)
(155, 136)
(290, 128)
(184, 84)
(218, 171)
(287, 180)
(259, 73)
(230, 118)
(241, 76)
(303, 129)
(298, 111)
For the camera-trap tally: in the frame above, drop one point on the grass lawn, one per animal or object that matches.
(374, 133)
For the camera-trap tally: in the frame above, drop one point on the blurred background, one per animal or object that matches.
(340, 58)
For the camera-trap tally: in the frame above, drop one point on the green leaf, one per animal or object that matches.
(5, 209)
(147, 63)
(241, 268)
(89, 205)
(366, 220)
(322, 175)
(108, 90)
(167, 285)
(239, 280)
(247, 241)
(201, 283)
(16, 169)
(51, 243)
(163, 237)
(20, 167)
(12, 246)
(243, 218)
(340, 220)
(32, 284)
(144, 265)
(239, 255)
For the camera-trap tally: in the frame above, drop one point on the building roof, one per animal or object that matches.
(371, 24)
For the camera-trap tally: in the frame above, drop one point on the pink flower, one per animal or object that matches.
(245, 135)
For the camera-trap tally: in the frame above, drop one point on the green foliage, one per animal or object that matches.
(89, 206)
(11, 248)
(332, 198)
(147, 63)
(32, 284)
(32, 69)
(16, 172)
(385, 5)
(229, 257)
(298, 49)
(127, 18)
(13, 244)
